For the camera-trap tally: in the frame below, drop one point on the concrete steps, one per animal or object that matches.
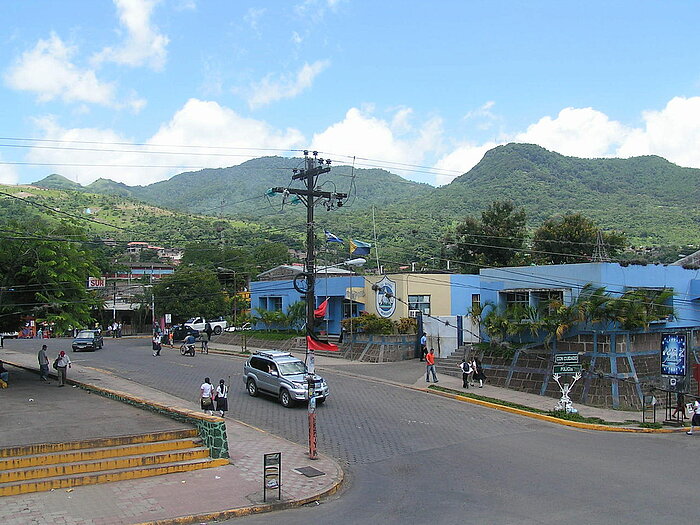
(47, 466)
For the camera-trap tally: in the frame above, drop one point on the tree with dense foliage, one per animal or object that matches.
(44, 269)
(190, 292)
(494, 240)
(571, 238)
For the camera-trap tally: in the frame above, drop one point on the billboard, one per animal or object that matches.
(673, 355)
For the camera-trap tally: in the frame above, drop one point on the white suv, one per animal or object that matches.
(282, 375)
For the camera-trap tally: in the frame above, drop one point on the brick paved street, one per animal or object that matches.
(412, 457)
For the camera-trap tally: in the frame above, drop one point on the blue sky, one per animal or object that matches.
(139, 90)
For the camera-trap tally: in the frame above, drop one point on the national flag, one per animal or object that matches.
(359, 247)
(312, 343)
(330, 237)
(321, 310)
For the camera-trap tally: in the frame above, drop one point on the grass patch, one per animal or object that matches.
(553, 413)
(650, 424)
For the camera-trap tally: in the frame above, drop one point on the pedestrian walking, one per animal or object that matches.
(204, 338)
(479, 372)
(695, 422)
(156, 344)
(680, 406)
(466, 368)
(222, 398)
(62, 364)
(43, 364)
(430, 366)
(206, 391)
(171, 336)
(423, 346)
(119, 329)
(208, 330)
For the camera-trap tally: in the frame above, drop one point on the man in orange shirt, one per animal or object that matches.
(430, 366)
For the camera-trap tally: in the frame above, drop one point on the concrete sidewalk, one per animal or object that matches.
(411, 373)
(192, 497)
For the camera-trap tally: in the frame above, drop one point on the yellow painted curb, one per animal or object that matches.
(550, 419)
(247, 511)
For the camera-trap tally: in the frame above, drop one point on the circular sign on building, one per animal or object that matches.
(386, 297)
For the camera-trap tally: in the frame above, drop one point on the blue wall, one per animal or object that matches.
(331, 287)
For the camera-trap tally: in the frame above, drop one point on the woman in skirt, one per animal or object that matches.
(222, 398)
(479, 373)
(207, 396)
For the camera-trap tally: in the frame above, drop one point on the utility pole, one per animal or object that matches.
(313, 167)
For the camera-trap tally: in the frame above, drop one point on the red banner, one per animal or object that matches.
(321, 310)
(314, 344)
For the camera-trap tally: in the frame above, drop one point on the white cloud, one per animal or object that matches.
(269, 90)
(460, 161)
(48, 71)
(362, 134)
(197, 126)
(8, 174)
(673, 133)
(296, 38)
(579, 132)
(142, 44)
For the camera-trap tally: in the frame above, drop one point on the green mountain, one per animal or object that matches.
(109, 187)
(58, 182)
(648, 198)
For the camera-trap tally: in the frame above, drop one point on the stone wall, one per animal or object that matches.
(618, 368)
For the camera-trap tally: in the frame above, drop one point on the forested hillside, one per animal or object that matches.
(650, 200)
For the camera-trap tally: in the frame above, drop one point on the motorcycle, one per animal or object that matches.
(187, 349)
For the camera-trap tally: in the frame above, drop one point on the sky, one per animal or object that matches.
(139, 90)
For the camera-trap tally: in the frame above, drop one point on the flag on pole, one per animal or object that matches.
(321, 310)
(330, 237)
(359, 247)
(312, 343)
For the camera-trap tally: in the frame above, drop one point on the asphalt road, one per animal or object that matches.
(416, 458)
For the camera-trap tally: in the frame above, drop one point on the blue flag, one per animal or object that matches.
(359, 247)
(332, 237)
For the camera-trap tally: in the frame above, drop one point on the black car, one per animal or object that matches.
(88, 340)
(182, 331)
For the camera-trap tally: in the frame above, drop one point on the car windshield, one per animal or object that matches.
(85, 335)
(190, 320)
(291, 368)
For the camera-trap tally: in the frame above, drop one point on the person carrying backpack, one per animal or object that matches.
(466, 368)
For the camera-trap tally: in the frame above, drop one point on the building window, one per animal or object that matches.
(543, 299)
(419, 302)
(476, 301)
(513, 299)
(350, 309)
(271, 304)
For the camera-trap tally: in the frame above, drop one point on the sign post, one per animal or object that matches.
(272, 474)
(566, 364)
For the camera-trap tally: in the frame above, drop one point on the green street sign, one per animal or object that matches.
(567, 369)
(566, 359)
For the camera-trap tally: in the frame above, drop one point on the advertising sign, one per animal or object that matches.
(386, 297)
(96, 282)
(673, 355)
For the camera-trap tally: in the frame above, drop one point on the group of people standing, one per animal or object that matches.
(472, 371)
(61, 364)
(115, 329)
(214, 399)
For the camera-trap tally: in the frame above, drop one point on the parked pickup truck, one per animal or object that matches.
(218, 325)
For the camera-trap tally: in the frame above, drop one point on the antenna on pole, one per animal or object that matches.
(600, 254)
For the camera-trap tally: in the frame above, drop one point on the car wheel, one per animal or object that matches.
(286, 399)
(320, 400)
(217, 330)
(252, 388)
